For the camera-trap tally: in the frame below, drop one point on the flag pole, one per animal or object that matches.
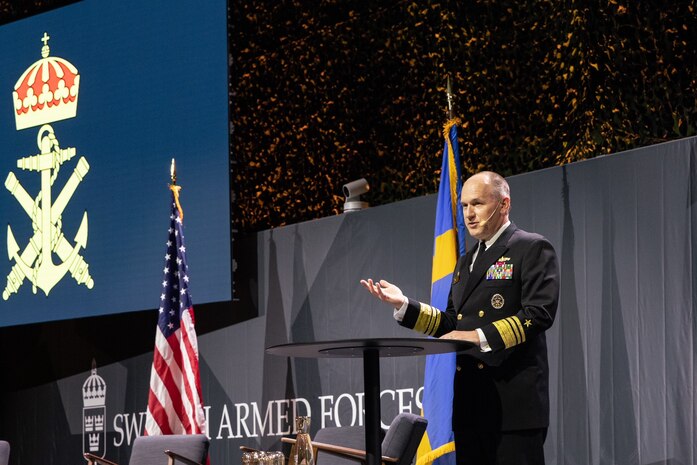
(175, 403)
(438, 443)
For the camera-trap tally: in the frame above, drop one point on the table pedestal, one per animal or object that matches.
(370, 350)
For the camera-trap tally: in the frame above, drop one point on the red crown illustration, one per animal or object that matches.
(47, 91)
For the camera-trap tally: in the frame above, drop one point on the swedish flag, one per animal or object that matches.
(449, 244)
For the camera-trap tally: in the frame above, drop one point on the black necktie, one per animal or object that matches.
(480, 251)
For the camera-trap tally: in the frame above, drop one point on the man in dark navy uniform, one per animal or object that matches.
(503, 297)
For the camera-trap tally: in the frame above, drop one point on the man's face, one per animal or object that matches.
(484, 212)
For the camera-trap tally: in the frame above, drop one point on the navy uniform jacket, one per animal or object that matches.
(512, 296)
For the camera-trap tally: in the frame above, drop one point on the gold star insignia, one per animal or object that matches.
(528, 323)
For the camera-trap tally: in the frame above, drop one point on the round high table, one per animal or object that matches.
(370, 350)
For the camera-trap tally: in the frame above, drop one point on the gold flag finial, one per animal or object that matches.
(175, 189)
(173, 172)
(449, 95)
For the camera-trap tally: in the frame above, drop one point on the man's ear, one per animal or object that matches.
(505, 204)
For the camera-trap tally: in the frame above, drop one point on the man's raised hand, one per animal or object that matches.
(385, 291)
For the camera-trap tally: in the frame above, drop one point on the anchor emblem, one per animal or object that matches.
(37, 102)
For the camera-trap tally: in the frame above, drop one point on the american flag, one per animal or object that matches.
(175, 405)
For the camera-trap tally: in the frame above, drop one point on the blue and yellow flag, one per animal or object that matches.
(449, 244)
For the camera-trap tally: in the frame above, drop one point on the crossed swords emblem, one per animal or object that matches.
(35, 262)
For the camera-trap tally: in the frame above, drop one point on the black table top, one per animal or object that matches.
(384, 347)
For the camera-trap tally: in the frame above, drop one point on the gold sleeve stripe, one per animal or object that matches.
(517, 325)
(516, 336)
(514, 330)
(428, 320)
(506, 333)
(435, 321)
(511, 331)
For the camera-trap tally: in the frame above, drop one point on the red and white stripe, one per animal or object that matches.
(175, 404)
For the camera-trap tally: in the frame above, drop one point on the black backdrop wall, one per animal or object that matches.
(622, 350)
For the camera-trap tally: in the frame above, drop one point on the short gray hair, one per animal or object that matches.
(498, 184)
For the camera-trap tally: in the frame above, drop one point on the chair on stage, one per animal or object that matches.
(4, 452)
(346, 446)
(187, 449)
